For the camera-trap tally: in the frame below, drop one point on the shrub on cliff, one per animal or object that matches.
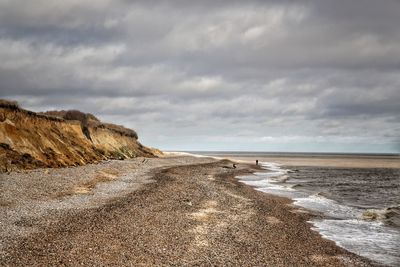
(121, 130)
(9, 104)
(76, 115)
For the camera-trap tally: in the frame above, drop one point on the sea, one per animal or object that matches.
(357, 195)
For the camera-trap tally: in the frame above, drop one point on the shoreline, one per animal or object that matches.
(373, 238)
(196, 214)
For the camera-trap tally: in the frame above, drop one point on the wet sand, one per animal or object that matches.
(190, 215)
(325, 161)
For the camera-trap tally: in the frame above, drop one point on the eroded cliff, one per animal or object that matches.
(64, 138)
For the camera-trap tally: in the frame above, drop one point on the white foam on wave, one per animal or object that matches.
(267, 181)
(371, 239)
(328, 207)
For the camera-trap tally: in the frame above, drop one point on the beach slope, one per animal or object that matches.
(183, 211)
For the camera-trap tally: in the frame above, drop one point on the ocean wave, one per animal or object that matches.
(294, 186)
(321, 194)
(393, 216)
(318, 202)
(390, 216)
(280, 179)
(368, 239)
(373, 215)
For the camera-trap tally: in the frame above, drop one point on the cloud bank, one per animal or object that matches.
(215, 75)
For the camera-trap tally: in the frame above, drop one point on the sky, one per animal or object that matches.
(302, 76)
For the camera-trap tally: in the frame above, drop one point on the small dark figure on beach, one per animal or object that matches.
(234, 165)
(256, 161)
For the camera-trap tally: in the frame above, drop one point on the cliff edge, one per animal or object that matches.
(61, 138)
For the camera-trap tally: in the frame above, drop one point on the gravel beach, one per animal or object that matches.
(176, 211)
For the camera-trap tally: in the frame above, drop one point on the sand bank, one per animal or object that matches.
(338, 161)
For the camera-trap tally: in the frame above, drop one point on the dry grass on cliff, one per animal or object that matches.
(121, 130)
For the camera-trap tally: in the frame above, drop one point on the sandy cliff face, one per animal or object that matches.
(29, 140)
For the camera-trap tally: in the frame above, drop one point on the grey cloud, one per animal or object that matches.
(209, 69)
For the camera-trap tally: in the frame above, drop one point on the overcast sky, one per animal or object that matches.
(213, 75)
